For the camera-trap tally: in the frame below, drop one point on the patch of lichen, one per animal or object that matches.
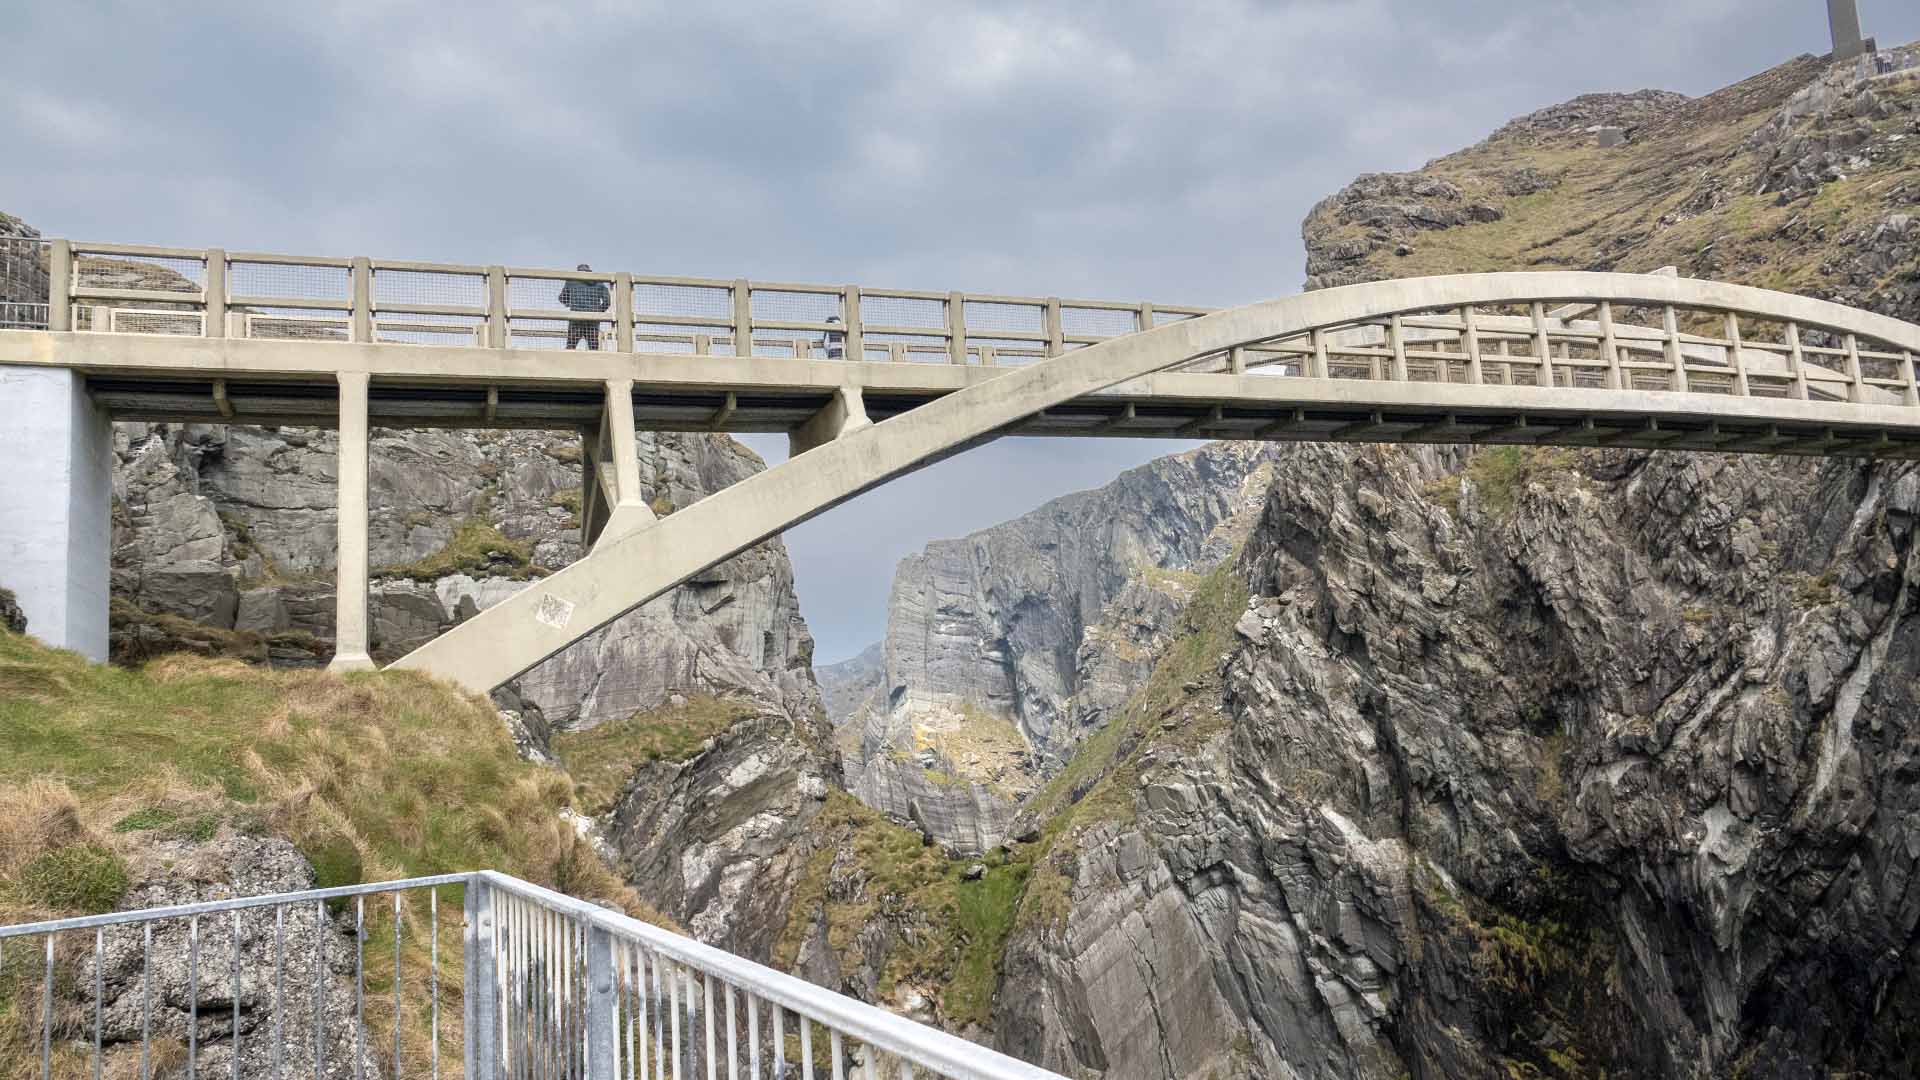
(868, 875)
(601, 759)
(1501, 473)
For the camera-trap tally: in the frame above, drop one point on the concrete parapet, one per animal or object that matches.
(55, 505)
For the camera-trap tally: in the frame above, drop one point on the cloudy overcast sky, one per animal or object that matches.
(1126, 150)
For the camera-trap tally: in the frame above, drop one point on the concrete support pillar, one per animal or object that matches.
(350, 564)
(610, 502)
(56, 496)
(846, 412)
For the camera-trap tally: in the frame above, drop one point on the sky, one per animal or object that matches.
(1100, 150)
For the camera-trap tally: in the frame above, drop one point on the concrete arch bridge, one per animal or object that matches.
(143, 333)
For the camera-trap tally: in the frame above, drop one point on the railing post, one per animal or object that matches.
(215, 319)
(623, 311)
(482, 984)
(1910, 393)
(1237, 360)
(497, 307)
(742, 318)
(601, 1003)
(856, 347)
(1319, 341)
(1397, 342)
(1542, 344)
(1056, 333)
(1470, 344)
(1145, 315)
(1611, 346)
(1670, 326)
(957, 328)
(60, 286)
(1796, 361)
(362, 298)
(1856, 390)
(1734, 359)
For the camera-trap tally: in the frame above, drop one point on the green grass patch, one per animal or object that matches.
(81, 878)
(476, 547)
(601, 759)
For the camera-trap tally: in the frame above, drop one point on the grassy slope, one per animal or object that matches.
(371, 776)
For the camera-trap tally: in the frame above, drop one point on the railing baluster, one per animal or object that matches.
(233, 976)
(733, 1038)
(779, 1041)
(1796, 361)
(806, 1045)
(398, 1019)
(1542, 345)
(359, 986)
(1610, 346)
(1734, 359)
(99, 993)
(433, 973)
(193, 995)
(673, 1006)
(693, 1022)
(146, 1001)
(319, 988)
(753, 1036)
(1470, 344)
(834, 1048)
(706, 1008)
(279, 991)
(1856, 389)
(1670, 330)
(1396, 344)
(660, 1048)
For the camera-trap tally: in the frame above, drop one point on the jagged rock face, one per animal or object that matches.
(234, 527)
(11, 617)
(850, 685)
(1006, 648)
(1651, 730)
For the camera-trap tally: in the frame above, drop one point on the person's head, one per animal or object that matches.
(833, 320)
(583, 266)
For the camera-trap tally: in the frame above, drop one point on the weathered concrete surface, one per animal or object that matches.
(54, 499)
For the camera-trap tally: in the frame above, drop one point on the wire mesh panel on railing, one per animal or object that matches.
(24, 265)
(182, 275)
(342, 983)
(416, 306)
(18, 316)
(292, 324)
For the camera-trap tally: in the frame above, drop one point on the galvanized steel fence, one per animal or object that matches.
(546, 987)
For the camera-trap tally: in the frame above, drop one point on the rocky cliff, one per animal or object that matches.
(1530, 762)
(1006, 648)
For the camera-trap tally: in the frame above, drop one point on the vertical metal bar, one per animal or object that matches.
(214, 296)
(834, 1048)
(1542, 345)
(956, 328)
(779, 1041)
(602, 1005)
(806, 1046)
(319, 988)
(362, 314)
(856, 331)
(433, 973)
(398, 1022)
(753, 1036)
(673, 1011)
(60, 286)
(497, 336)
(636, 1033)
(742, 317)
(906, 1070)
(1738, 362)
(733, 1038)
(359, 986)
(279, 1055)
(1397, 344)
(193, 995)
(1670, 328)
(623, 311)
(146, 1001)
(1056, 329)
(693, 1023)
(99, 992)
(1610, 346)
(233, 976)
(706, 1007)
(659, 1023)
(1470, 344)
(46, 1019)
(1856, 390)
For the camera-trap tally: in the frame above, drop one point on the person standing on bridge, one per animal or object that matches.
(835, 343)
(585, 296)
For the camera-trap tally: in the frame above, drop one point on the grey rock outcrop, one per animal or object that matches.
(1006, 648)
(11, 617)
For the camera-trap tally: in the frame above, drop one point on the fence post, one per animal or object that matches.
(497, 307)
(362, 320)
(60, 286)
(742, 318)
(856, 335)
(601, 1004)
(215, 322)
(1056, 333)
(956, 328)
(623, 311)
(482, 984)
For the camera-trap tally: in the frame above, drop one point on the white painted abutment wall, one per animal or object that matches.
(56, 492)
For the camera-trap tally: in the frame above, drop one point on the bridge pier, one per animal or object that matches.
(56, 495)
(350, 560)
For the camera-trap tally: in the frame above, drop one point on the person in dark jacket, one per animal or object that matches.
(585, 296)
(835, 342)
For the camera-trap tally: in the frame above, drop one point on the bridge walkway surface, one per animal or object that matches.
(1563, 358)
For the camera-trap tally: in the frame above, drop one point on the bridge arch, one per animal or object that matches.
(1782, 397)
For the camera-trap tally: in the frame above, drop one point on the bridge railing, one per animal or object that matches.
(511, 981)
(142, 289)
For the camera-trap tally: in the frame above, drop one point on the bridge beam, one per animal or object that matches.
(55, 501)
(610, 496)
